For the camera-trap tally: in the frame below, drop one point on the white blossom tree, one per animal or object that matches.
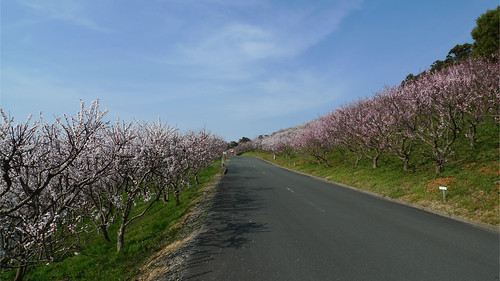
(40, 190)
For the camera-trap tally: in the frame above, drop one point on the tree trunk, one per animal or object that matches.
(176, 196)
(439, 167)
(105, 234)
(405, 164)
(121, 233)
(472, 137)
(196, 178)
(358, 158)
(20, 273)
(374, 162)
(165, 195)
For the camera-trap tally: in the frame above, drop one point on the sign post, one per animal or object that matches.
(443, 188)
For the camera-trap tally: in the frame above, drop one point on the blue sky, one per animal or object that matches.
(237, 68)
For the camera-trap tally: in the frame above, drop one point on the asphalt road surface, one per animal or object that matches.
(268, 223)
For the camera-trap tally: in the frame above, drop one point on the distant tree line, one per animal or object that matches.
(233, 144)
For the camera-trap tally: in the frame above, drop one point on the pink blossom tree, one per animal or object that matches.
(315, 140)
(480, 90)
(398, 102)
(375, 126)
(437, 104)
(347, 131)
(279, 143)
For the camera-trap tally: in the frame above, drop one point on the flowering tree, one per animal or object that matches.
(178, 168)
(438, 103)
(40, 190)
(278, 143)
(480, 91)
(287, 140)
(399, 103)
(375, 125)
(315, 140)
(103, 198)
(201, 149)
(347, 131)
(140, 164)
(270, 144)
(194, 145)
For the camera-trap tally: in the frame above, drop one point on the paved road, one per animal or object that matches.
(272, 224)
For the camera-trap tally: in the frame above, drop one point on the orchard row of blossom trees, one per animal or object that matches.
(81, 173)
(433, 111)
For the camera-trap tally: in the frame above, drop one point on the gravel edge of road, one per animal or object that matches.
(477, 224)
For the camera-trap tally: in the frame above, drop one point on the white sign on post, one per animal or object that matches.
(443, 188)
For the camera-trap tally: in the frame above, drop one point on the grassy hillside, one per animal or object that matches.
(145, 236)
(472, 177)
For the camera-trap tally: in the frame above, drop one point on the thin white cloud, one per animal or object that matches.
(233, 43)
(64, 10)
(243, 52)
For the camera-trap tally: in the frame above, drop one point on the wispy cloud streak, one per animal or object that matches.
(64, 10)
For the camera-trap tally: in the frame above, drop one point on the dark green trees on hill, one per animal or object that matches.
(486, 37)
(486, 34)
(455, 55)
